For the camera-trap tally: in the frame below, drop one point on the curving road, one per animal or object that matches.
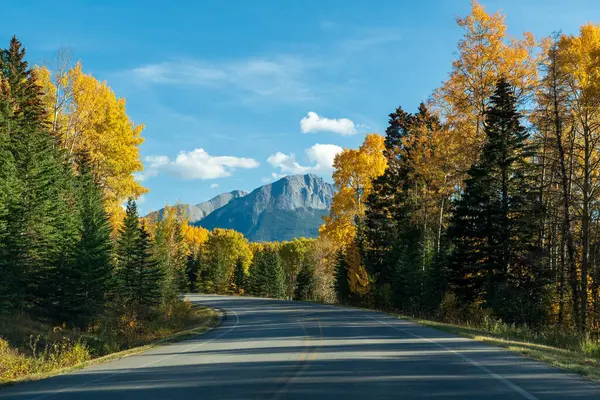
(267, 349)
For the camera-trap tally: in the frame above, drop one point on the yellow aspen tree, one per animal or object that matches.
(86, 114)
(485, 53)
(193, 237)
(579, 61)
(354, 172)
(353, 177)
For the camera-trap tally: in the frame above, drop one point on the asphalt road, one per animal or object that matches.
(267, 349)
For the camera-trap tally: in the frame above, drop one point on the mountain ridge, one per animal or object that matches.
(197, 212)
(290, 207)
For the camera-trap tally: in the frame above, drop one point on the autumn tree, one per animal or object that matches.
(222, 251)
(84, 113)
(353, 176)
(556, 137)
(292, 255)
(170, 253)
(485, 54)
(579, 62)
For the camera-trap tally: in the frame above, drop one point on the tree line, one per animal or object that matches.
(483, 202)
(66, 255)
(487, 203)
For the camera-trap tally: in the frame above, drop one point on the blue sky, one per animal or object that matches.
(234, 94)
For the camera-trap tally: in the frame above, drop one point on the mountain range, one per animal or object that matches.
(293, 206)
(195, 213)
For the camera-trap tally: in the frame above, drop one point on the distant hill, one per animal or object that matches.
(197, 212)
(291, 207)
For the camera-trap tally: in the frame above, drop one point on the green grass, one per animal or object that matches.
(559, 350)
(38, 351)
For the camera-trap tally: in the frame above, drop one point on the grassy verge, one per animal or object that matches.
(50, 351)
(569, 358)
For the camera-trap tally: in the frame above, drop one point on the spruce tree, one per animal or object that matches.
(306, 283)
(496, 259)
(267, 275)
(9, 284)
(149, 274)
(239, 276)
(192, 271)
(341, 286)
(139, 275)
(385, 212)
(40, 227)
(395, 252)
(90, 277)
(172, 260)
(127, 255)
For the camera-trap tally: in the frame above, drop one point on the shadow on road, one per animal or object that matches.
(272, 349)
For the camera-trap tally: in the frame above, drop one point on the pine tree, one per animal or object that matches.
(127, 255)
(397, 241)
(267, 275)
(41, 230)
(305, 283)
(140, 275)
(170, 256)
(150, 275)
(341, 286)
(192, 271)
(495, 258)
(89, 278)
(239, 276)
(9, 284)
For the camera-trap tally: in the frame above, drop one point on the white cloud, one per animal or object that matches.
(280, 77)
(323, 155)
(315, 123)
(321, 158)
(214, 185)
(196, 164)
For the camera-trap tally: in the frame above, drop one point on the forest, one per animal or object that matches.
(478, 206)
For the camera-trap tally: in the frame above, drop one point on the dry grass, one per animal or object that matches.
(581, 358)
(38, 351)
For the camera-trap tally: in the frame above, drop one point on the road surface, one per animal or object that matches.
(272, 349)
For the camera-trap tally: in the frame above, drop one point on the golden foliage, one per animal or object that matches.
(85, 114)
(358, 278)
(485, 53)
(353, 178)
(228, 245)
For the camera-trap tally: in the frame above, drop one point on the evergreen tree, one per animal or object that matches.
(140, 275)
(341, 286)
(267, 275)
(89, 277)
(496, 258)
(9, 284)
(239, 276)
(305, 283)
(385, 213)
(41, 229)
(396, 251)
(127, 255)
(193, 271)
(150, 275)
(170, 256)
